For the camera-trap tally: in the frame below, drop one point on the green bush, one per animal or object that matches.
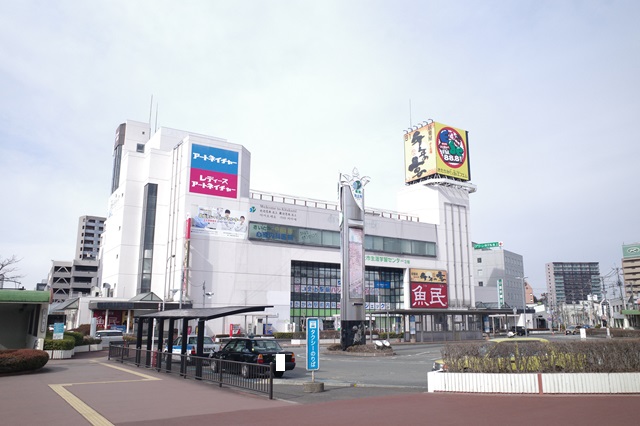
(283, 335)
(16, 360)
(67, 343)
(592, 356)
(77, 337)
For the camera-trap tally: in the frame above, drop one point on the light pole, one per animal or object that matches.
(524, 305)
(166, 276)
(208, 293)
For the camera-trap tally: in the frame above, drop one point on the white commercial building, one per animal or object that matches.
(184, 224)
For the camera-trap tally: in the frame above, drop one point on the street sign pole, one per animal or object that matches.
(313, 346)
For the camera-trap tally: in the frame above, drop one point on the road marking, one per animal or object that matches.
(83, 409)
(86, 411)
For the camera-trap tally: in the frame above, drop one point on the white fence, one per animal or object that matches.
(536, 383)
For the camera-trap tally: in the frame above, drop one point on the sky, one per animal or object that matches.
(548, 91)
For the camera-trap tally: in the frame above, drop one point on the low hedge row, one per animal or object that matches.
(16, 360)
(593, 356)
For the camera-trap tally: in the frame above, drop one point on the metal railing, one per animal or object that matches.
(252, 377)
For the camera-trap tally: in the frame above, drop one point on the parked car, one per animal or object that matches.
(108, 336)
(573, 329)
(504, 349)
(208, 347)
(253, 351)
(518, 330)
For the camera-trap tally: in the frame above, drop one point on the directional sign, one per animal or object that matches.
(313, 344)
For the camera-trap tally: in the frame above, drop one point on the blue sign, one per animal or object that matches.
(382, 284)
(313, 344)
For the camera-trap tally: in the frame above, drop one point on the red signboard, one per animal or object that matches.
(429, 296)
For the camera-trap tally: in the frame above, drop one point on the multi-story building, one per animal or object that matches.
(571, 282)
(79, 277)
(498, 275)
(90, 230)
(184, 224)
(631, 271)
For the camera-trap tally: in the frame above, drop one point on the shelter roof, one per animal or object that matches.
(204, 313)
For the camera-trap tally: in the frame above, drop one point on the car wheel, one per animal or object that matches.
(245, 371)
(278, 373)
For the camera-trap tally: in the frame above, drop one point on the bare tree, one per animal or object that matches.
(8, 271)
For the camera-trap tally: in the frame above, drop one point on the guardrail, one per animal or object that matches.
(252, 377)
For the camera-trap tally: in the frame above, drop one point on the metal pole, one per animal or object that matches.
(524, 305)
(166, 276)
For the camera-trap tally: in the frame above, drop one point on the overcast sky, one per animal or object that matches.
(548, 91)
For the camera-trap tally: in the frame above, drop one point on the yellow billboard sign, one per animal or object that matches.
(436, 149)
(427, 276)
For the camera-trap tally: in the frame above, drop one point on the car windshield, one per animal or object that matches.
(193, 340)
(267, 345)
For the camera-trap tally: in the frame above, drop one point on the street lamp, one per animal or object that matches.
(166, 275)
(524, 304)
(208, 293)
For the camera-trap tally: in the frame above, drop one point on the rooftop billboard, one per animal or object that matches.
(436, 149)
(214, 171)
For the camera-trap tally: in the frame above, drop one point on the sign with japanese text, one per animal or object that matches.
(487, 245)
(428, 276)
(214, 171)
(219, 222)
(436, 149)
(500, 293)
(429, 296)
(313, 344)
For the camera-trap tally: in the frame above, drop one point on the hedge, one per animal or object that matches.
(16, 360)
(68, 342)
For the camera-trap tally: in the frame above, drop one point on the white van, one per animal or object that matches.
(108, 336)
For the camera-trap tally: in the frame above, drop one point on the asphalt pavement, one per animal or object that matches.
(89, 389)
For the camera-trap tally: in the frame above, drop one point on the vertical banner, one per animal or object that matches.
(313, 344)
(356, 268)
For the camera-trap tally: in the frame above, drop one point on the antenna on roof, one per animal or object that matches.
(150, 109)
(156, 126)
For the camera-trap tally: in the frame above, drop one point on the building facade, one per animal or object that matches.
(183, 223)
(631, 271)
(79, 277)
(498, 275)
(90, 230)
(572, 282)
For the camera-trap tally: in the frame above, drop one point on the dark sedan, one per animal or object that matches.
(254, 351)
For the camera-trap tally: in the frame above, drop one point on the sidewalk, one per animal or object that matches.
(89, 389)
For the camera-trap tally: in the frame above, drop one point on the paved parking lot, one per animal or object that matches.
(89, 389)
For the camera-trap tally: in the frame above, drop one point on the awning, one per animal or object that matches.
(204, 313)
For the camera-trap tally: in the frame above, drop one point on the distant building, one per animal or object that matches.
(90, 229)
(79, 277)
(492, 266)
(631, 271)
(571, 282)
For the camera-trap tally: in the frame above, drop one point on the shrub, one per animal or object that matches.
(84, 329)
(593, 356)
(16, 360)
(77, 337)
(67, 343)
